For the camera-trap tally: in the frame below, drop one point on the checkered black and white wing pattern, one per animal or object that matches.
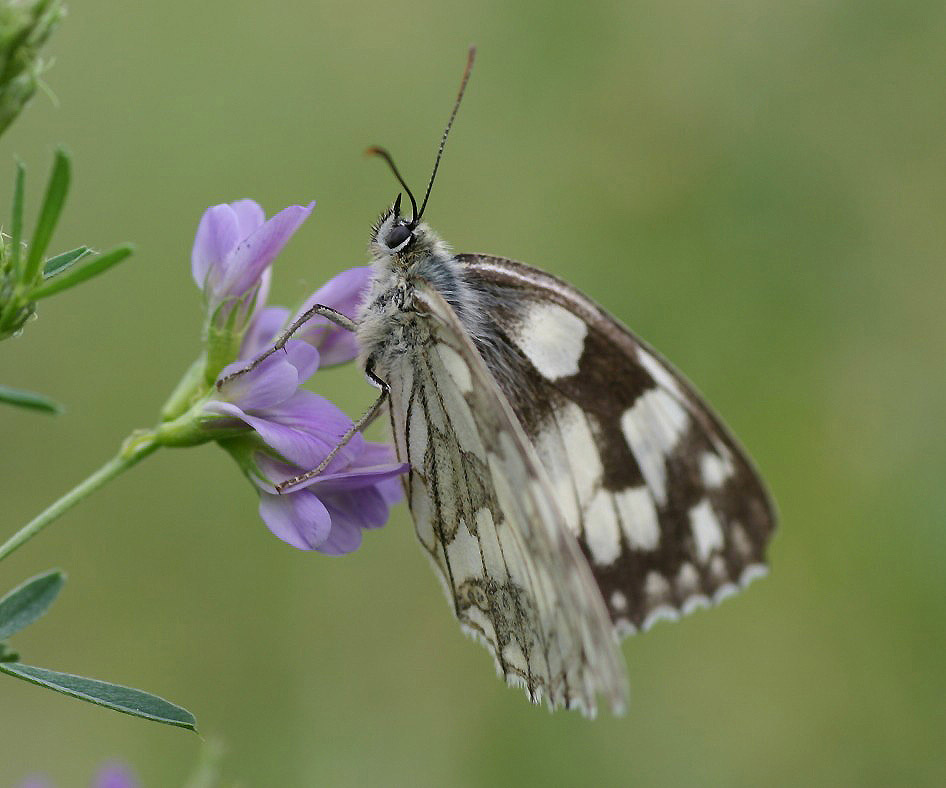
(485, 514)
(667, 507)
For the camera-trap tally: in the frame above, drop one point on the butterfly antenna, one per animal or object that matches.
(443, 140)
(376, 151)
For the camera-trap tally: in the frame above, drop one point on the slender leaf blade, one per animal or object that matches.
(59, 263)
(54, 199)
(16, 225)
(78, 274)
(24, 604)
(103, 693)
(29, 399)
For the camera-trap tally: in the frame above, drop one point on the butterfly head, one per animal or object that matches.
(394, 232)
(404, 239)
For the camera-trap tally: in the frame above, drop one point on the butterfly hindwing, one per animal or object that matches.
(485, 514)
(666, 506)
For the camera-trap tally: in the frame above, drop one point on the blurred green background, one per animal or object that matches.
(755, 187)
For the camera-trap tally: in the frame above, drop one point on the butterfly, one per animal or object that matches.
(569, 486)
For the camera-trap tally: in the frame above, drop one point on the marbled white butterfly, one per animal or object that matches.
(569, 486)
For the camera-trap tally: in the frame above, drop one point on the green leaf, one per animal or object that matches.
(23, 605)
(61, 262)
(17, 222)
(29, 399)
(103, 693)
(55, 198)
(78, 274)
(6, 655)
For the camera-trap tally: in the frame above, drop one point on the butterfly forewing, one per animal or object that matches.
(666, 506)
(486, 515)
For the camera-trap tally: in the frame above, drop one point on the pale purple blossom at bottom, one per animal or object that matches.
(328, 512)
(115, 775)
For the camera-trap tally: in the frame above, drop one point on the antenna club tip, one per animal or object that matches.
(375, 150)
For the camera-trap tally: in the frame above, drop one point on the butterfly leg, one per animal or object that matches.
(369, 416)
(316, 311)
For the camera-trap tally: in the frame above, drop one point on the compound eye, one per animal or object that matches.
(397, 236)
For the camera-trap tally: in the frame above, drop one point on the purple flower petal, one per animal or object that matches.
(354, 499)
(364, 508)
(217, 235)
(305, 441)
(345, 537)
(263, 331)
(377, 454)
(35, 781)
(274, 381)
(250, 216)
(343, 293)
(356, 477)
(256, 252)
(392, 490)
(303, 357)
(115, 775)
(337, 346)
(299, 519)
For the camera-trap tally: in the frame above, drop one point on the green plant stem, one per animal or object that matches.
(136, 448)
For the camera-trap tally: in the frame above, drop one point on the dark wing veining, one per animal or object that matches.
(485, 514)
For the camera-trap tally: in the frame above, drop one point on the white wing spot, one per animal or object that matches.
(464, 555)
(707, 533)
(656, 585)
(658, 372)
(715, 470)
(717, 567)
(688, 579)
(652, 427)
(569, 454)
(489, 544)
(417, 448)
(601, 531)
(456, 367)
(583, 454)
(553, 339)
(618, 601)
(638, 517)
(741, 540)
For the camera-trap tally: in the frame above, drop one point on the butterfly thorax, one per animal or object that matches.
(389, 326)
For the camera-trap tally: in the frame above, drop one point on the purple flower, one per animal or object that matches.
(112, 775)
(115, 775)
(343, 293)
(293, 429)
(297, 429)
(328, 512)
(336, 345)
(235, 245)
